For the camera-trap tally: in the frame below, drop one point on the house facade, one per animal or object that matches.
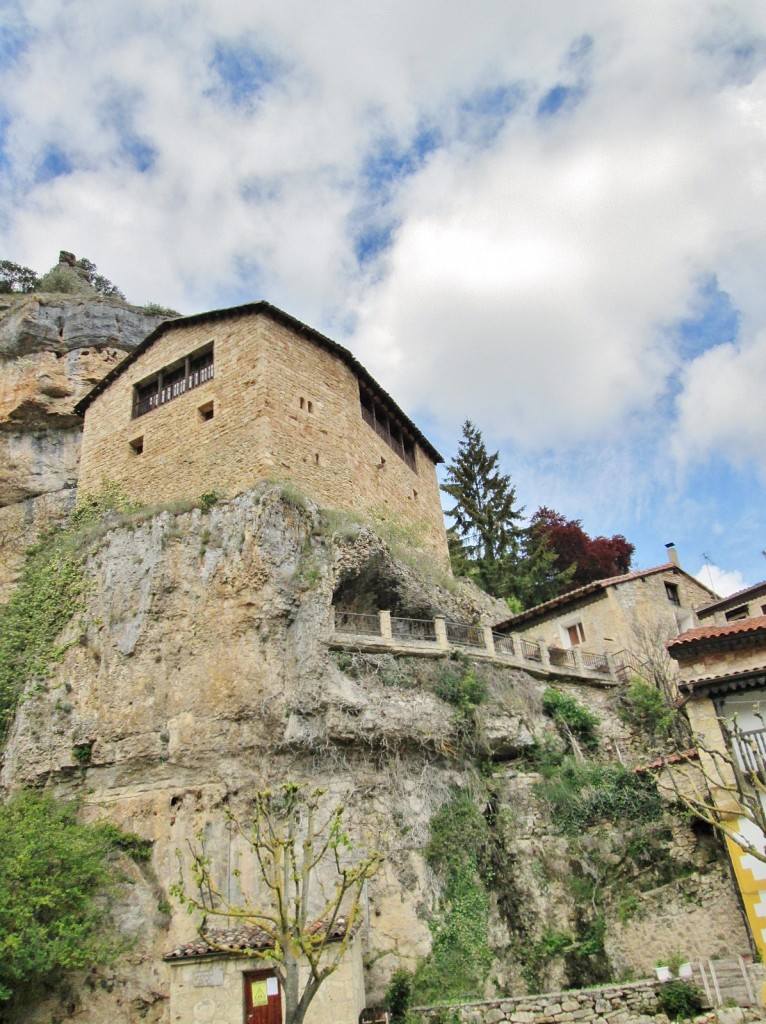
(208, 986)
(610, 615)
(221, 400)
(723, 680)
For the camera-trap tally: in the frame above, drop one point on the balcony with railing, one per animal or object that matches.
(380, 631)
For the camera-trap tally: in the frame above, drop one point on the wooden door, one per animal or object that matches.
(263, 1003)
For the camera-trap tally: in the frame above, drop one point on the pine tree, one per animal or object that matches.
(486, 518)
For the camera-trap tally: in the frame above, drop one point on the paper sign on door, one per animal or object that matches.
(272, 987)
(258, 993)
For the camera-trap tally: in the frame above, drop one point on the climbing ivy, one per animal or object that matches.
(49, 592)
(460, 957)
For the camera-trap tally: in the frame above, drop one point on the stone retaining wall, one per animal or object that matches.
(614, 1004)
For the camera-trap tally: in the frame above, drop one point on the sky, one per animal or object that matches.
(547, 218)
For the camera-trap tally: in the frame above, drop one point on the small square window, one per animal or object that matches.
(576, 634)
(137, 445)
(206, 411)
(671, 590)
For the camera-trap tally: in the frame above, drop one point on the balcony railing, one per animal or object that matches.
(414, 629)
(384, 629)
(465, 636)
(357, 623)
(751, 747)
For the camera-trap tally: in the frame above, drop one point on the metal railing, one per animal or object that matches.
(465, 636)
(443, 635)
(751, 747)
(561, 657)
(529, 650)
(503, 643)
(356, 622)
(413, 629)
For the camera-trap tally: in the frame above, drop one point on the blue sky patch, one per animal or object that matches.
(13, 42)
(715, 320)
(391, 162)
(243, 71)
(54, 164)
(483, 115)
(372, 241)
(558, 99)
(117, 113)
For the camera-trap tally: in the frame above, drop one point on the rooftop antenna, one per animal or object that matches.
(708, 561)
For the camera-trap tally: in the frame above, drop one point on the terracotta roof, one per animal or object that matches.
(540, 610)
(733, 598)
(235, 941)
(280, 316)
(738, 628)
(738, 680)
(677, 758)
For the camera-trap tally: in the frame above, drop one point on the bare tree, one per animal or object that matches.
(724, 786)
(295, 845)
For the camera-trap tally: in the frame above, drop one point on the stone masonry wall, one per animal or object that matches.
(266, 379)
(613, 1003)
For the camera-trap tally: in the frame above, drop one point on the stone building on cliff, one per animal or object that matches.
(223, 399)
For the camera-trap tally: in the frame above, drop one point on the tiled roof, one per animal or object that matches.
(740, 595)
(682, 755)
(234, 941)
(737, 680)
(280, 316)
(591, 588)
(731, 629)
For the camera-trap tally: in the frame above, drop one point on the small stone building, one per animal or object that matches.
(208, 986)
(221, 400)
(609, 615)
(745, 604)
(723, 678)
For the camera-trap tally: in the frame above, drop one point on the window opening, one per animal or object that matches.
(137, 445)
(740, 612)
(206, 411)
(387, 427)
(311, 406)
(173, 380)
(303, 403)
(316, 458)
(576, 634)
(671, 589)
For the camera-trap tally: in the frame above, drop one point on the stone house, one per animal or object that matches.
(223, 399)
(745, 604)
(723, 679)
(616, 614)
(209, 985)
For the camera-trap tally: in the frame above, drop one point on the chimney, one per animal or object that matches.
(673, 554)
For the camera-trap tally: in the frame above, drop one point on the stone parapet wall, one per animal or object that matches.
(630, 1003)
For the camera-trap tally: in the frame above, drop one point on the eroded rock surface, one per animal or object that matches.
(53, 350)
(199, 670)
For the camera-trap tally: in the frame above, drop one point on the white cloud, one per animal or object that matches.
(537, 264)
(722, 582)
(721, 408)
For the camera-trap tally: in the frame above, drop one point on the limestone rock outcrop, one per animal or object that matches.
(200, 668)
(53, 350)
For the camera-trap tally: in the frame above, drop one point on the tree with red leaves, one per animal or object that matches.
(595, 558)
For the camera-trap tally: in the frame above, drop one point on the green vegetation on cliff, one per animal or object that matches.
(53, 872)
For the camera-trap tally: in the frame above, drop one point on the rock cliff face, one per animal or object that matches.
(199, 669)
(53, 349)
